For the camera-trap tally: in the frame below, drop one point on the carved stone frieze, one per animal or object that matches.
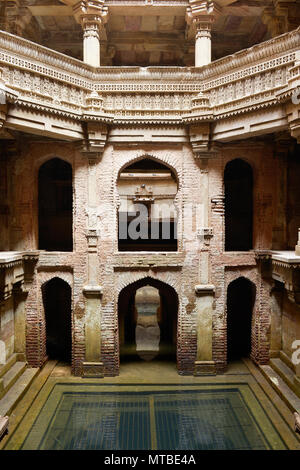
(37, 79)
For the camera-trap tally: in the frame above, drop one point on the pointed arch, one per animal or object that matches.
(238, 182)
(147, 215)
(55, 205)
(241, 294)
(167, 315)
(57, 303)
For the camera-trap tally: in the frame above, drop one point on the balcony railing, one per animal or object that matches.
(38, 78)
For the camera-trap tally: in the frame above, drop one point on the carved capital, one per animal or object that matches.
(201, 14)
(91, 14)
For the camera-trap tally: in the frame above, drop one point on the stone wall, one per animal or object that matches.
(200, 258)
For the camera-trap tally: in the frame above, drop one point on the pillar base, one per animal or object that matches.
(204, 368)
(92, 370)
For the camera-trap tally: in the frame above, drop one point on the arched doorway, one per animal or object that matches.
(148, 311)
(57, 300)
(55, 206)
(240, 302)
(238, 181)
(147, 217)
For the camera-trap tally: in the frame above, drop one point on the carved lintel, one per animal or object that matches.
(205, 289)
(92, 370)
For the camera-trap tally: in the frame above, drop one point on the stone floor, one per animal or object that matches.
(153, 374)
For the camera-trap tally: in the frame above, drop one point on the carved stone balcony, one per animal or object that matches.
(284, 267)
(245, 94)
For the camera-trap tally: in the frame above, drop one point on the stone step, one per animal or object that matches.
(12, 376)
(281, 387)
(16, 392)
(285, 372)
(10, 362)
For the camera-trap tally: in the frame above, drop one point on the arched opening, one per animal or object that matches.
(148, 312)
(57, 300)
(240, 302)
(147, 215)
(55, 206)
(238, 181)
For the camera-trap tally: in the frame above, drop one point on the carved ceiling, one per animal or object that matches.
(140, 33)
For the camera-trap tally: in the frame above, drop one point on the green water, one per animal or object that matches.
(176, 418)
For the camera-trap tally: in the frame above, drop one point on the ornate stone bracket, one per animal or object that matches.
(94, 143)
(282, 267)
(16, 269)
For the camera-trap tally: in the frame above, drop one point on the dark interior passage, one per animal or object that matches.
(55, 206)
(240, 303)
(238, 181)
(166, 319)
(57, 305)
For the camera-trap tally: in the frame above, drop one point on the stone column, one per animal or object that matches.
(92, 15)
(92, 367)
(204, 364)
(297, 248)
(200, 15)
(91, 41)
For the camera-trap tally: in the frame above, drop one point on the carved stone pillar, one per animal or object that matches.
(204, 364)
(92, 15)
(92, 367)
(200, 15)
